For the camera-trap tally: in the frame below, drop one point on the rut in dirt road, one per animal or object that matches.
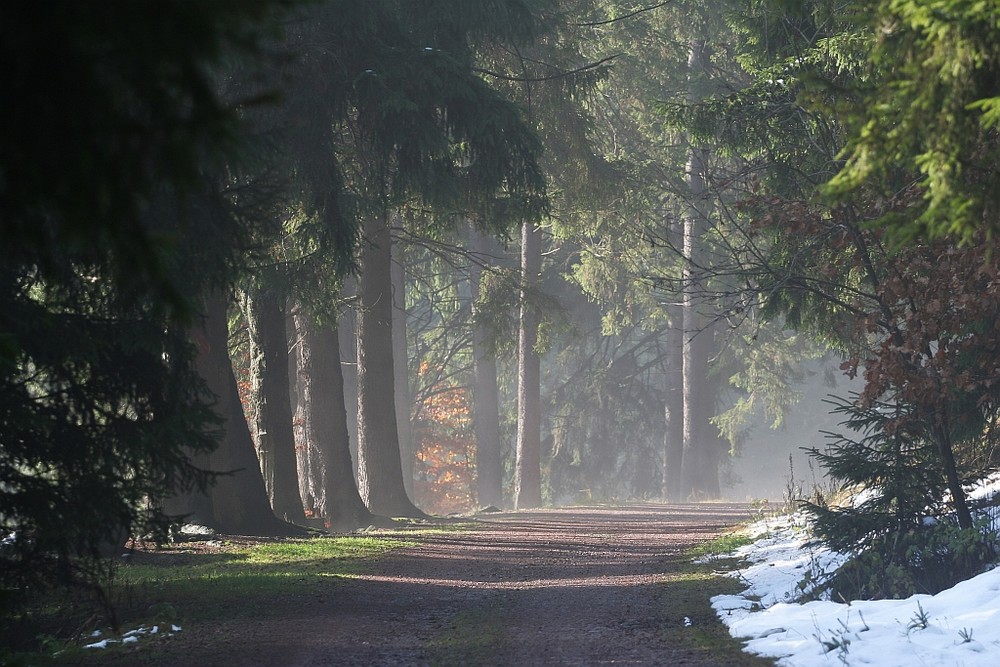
(578, 586)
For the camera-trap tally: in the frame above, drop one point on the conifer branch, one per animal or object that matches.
(560, 75)
(622, 18)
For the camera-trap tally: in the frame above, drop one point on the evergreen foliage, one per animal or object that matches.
(111, 225)
(899, 534)
(846, 203)
(808, 241)
(929, 112)
(423, 123)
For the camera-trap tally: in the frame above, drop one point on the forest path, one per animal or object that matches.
(572, 586)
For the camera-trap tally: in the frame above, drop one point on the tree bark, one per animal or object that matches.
(400, 368)
(321, 385)
(347, 326)
(237, 503)
(527, 466)
(673, 409)
(939, 432)
(309, 458)
(380, 473)
(302, 427)
(700, 476)
(271, 418)
(486, 393)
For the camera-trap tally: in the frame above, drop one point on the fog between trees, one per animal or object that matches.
(333, 263)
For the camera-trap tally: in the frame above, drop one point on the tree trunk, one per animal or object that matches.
(700, 465)
(400, 368)
(486, 393)
(302, 427)
(309, 459)
(322, 395)
(527, 466)
(271, 416)
(237, 502)
(192, 506)
(347, 326)
(380, 473)
(674, 408)
(942, 438)
(298, 419)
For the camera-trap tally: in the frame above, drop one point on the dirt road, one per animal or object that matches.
(579, 586)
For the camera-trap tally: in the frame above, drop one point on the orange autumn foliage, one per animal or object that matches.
(443, 432)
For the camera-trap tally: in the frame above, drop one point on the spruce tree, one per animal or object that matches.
(104, 186)
(898, 532)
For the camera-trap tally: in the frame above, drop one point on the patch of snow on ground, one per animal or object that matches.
(988, 488)
(129, 637)
(959, 626)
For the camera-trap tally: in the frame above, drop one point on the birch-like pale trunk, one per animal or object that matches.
(527, 465)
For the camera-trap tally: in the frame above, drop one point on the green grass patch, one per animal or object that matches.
(180, 584)
(687, 595)
(201, 586)
(722, 545)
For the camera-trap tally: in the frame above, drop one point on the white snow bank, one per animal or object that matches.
(959, 626)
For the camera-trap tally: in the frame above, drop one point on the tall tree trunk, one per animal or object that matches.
(942, 438)
(347, 326)
(238, 500)
(309, 457)
(321, 385)
(673, 409)
(486, 393)
(300, 425)
(193, 506)
(699, 400)
(400, 368)
(271, 414)
(527, 466)
(380, 473)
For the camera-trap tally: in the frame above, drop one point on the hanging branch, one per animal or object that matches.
(622, 18)
(560, 75)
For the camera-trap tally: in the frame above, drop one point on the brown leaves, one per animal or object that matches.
(937, 321)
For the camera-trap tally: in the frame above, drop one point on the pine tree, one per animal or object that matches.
(104, 186)
(898, 534)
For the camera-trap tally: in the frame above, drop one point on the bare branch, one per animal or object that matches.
(552, 77)
(641, 10)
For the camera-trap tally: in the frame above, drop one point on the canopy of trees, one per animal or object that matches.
(273, 264)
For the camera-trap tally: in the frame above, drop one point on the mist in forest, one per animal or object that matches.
(275, 269)
(612, 449)
(773, 464)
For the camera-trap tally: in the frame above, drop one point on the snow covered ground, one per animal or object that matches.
(130, 637)
(959, 626)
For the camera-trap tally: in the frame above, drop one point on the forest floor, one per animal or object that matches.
(571, 586)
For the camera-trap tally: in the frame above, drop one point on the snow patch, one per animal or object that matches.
(959, 626)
